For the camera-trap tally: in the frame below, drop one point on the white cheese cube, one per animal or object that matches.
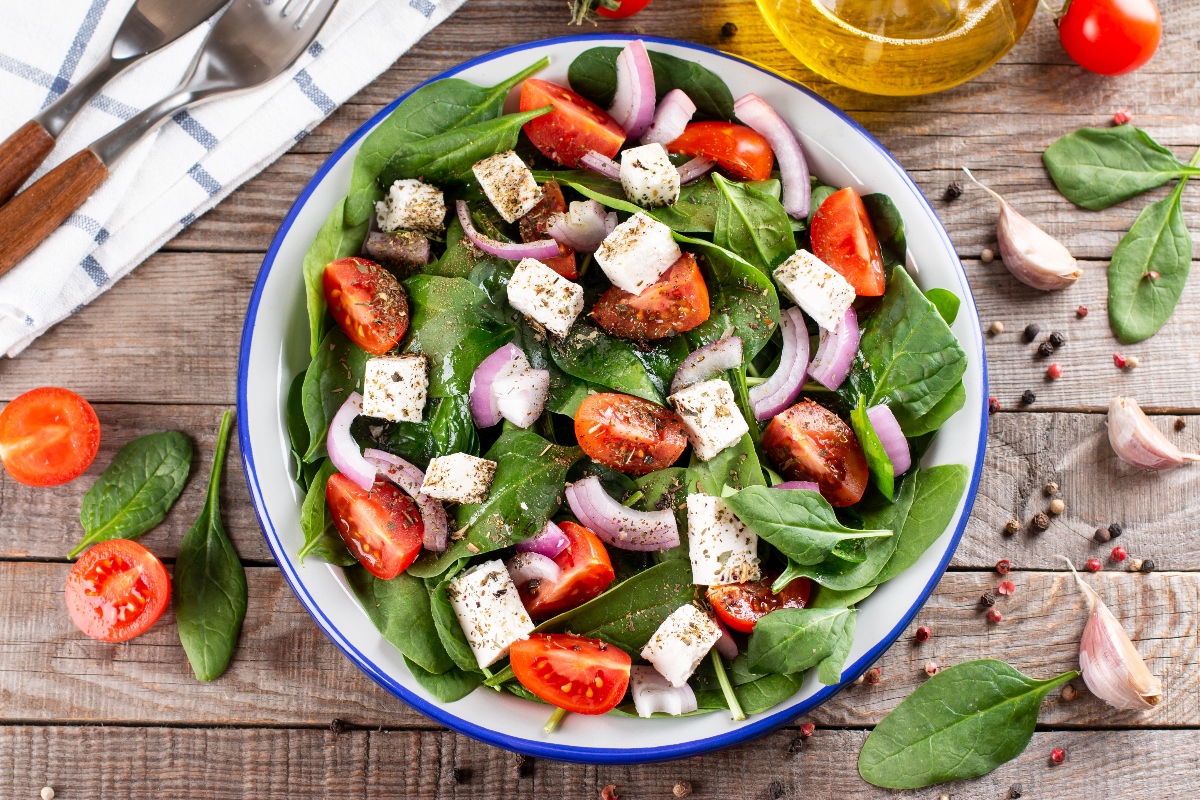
(652, 694)
(816, 287)
(681, 643)
(395, 387)
(722, 549)
(648, 176)
(488, 608)
(637, 253)
(459, 478)
(509, 184)
(544, 296)
(411, 205)
(710, 416)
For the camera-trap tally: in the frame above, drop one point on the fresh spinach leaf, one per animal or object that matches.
(446, 687)
(820, 193)
(334, 240)
(593, 74)
(946, 302)
(661, 359)
(316, 523)
(889, 229)
(400, 609)
(755, 697)
(334, 373)
(736, 467)
(882, 471)
(832, 598)
(617, 484)
(447, 428)
(935, 417)
(298, 428)
(663, 489)
(460, 256)
(449, 629)
(790, 640)
(829, 671)
(210, 583)
(935, 499)
(590, 354)
(136, 490)
(752, 224)
(961, 723)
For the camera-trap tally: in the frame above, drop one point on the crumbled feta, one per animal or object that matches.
(637, 253)
(488, 608)
(722, 549)
(545, 296)
(411, 205)
(816, 287)
(509, 184)
(710, 416)
(680, 643)
(395, 387)
(459, 478)
(648, 176)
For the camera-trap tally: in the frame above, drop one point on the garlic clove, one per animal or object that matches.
(1033, 256)
(1112, 667)
(1136, 440)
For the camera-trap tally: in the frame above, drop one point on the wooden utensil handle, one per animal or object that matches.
(20, 155)
(31, 216)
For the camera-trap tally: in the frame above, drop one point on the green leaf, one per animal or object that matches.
(883, 473)
(446, 687)
(946, 302)
(961, 723)
(935, 417)
(316, 523)
(752, 224)
(663, 489)
(832, 598)
(593, 74)
(937, 492)
(210, 583)
(136, 490)
(298, 427)
(590, 354)
(829, 671)
(335, 372)
(820, 193)
(755, 697)
(889, 229)
(446, 429)
(790, 640)
(736, 467)
(449, 629)
(400, 610)
(334, 240)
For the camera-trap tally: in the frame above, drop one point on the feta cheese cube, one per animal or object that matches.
(710, 416)
(648, 176)
(411, 205)
(488, 608)
(459, 478)
(509, 184)
(816, 287)
(543, 295)
(681, 643)
(637, 253)
(395, 387)
(652, 694)
(722, 549)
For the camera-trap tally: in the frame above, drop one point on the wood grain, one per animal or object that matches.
(20, 155)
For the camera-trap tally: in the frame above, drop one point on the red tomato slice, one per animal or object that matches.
(676, 303)
(575, 126)
(741, 152)
(367, 302)
(585, 676)
(741, 605)
(534, 224)
(628, 433)
(48, 436)
(808, 442)
(1110, 37)
(116, 590)
(586, 572)
(842, 237)
(382, 528)
(628, 9)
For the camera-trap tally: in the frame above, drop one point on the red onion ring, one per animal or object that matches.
(343, 450)
(409, 479)
(512, 251)
(583, 227)
(633, 103)
(708, 362)
(598, 162)
(616, 525)
(550, 542)
(485, 411)
(768, 399)
(694, 170)
(891, 437)
(811, 486)
(726, 646)
(797, 191)
(526, 567)
(674, 112)
(835, 353)
(653, 694)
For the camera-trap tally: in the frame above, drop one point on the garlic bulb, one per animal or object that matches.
(1111, 666)
(1033, 256)
(1136, 441)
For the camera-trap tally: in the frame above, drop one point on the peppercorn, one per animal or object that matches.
(1135, 565)
(1012, 526)
(729, 29)
(1115, 529)
(1119, 360)
(993, 405)
(988, 599)
(873, 676)
(1081, 312)
(455, 776)
(1180, 423)
(609, 793)
(1052, 488)
(1003, 566)
(1014, 791)
(1027, 397)
(521, 766)
(1057, 340)
(807, 729)
(774, 790)
(953, 191)
(1031, 331)
(1132, 362)
(794, 746)
(923, 633)
(994, 616)
(1122, 116)
(1069, 693)
(987, 256)
(1057, 506)
(996, 327)
(1045, 349)
(932, 668)
(1054, 372)
(1118, 553)
(1006, 587)
(1102, 535)
(1093, 565)
(46, 793)
(337, 727)
(1058, 755)
(1041, 521)
(684, 789)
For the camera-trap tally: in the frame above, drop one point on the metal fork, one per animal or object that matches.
(251, 43)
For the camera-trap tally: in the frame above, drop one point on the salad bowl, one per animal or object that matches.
(275, 347)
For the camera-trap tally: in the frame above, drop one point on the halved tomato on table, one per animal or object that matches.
(585, 571)
(581, 675)
(48, 436)
(843, 237)
(741, 605)
(382, 528)
(808, 442)
(116, 590)
(628, 433)
(533, 227)
(367, 302)
(740, 152)
(575, 126)
(675, 303)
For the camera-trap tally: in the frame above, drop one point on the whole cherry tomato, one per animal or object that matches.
(1110, 37)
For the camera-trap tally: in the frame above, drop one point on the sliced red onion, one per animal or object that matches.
(674, 112)
(550, 542)
(526, 567)
(652, 693)
(891, 437)
(835, 353)
(768, 399)
(484, 408)
(708, 362)
(726, 646)
(797, 191)
(812, 486)
(409, 479)
(343, 450)
(617, 525)
(521, 393)
(633, 103)
(598, 162)
(512, 251)
(695, 169)
(583, 227)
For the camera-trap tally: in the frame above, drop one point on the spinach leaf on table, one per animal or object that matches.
(593, 74)
(752, 224)
(400, 609)
(335, 372)
(961, 723)
(935, 499)
(790, 640)
(137, 489)
(446, 687)
(883, 473)
(316, 523)
(590, 354)
(889, 229)
(334, 240)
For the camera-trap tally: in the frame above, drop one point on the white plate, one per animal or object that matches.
(275, 348)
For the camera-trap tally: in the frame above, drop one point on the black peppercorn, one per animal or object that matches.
(1147, 565)
(1031, 331)
(337, 727)
(1027, 397)
(1040, 521)
(455, 776)
(954, 191)
(1102, 535)
(1057, 340)
(1180, 423)
(1045, 349)
(1014, 791)
(774, 790)
(988, 599)
(728, 29)
(1115, 529)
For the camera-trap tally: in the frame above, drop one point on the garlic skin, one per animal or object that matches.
(1136, 440)
(1112, 667)
(1034, 257)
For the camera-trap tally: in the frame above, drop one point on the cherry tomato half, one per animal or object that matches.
(628, 433)
(741, 605)
(116, 590)
(575, 126)
(367, 302)
(586, 571)
(382, 528)
(741, 152)
(808, 442)
(676, 303)
(534, 224)
(628, 9)
(585, 676)
(48, 436)
(1110, 37)
(842, 237)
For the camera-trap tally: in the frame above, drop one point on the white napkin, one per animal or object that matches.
(187, 166)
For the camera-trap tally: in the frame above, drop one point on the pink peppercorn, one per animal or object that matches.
(1122, 116)
(807, 729)
(1119, 554)
(994, 615)
(932, 668)
(1119, 360)
(1003, 566)
(1058, 755)
(1006, 587)
(1082, 311)
(993, 405)
(1054, 371)
(1093, 565)
(923, 633)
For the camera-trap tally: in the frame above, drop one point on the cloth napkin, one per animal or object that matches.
(187, 166)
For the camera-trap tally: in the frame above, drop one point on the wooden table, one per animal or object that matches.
(293, 718)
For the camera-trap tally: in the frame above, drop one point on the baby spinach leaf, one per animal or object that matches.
(447, 428)
(298, 433)
(829, 671)
(935, 417)
(961, 723)
(593, 74)
(446, 687)
(334, 373)
(755, 697)
(316, 523)
(210, 583)
(137, 490)
(889, 229)
(663, 489)
(400, 610)
(832, 598)
(736, 467)
(935, 499)
(334, 240)
(752, 224)
(946, 302)
(820, 193)
(618, 485)
(661, 359)
(882, 471)
(792, 640)
(449, 630)
(590, 354)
